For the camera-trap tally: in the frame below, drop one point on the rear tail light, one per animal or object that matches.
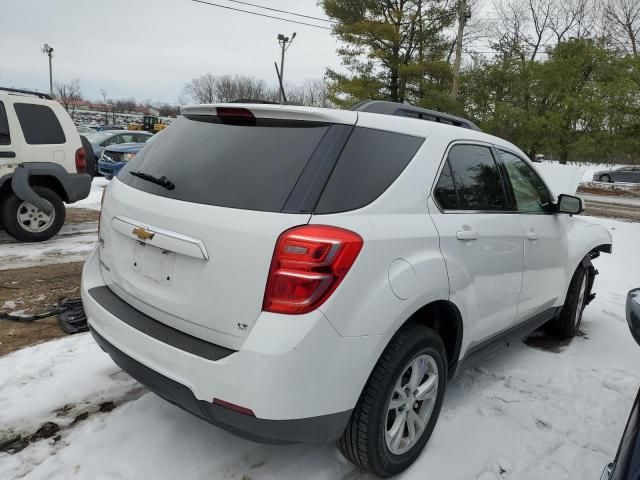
(309, 262)
(81, 160)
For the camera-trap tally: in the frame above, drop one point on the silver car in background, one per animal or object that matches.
(628, 174)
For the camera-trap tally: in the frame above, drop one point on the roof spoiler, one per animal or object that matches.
(405, 110)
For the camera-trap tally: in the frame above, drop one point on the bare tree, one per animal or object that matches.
(209, 88)
(574, 18)
(511, 29)
(201, 89)
(238, 87)
(68, 94)
(311, 93)
(623, 22)
(541, 13)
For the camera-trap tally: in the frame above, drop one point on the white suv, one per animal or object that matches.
(43, 163)
(300, 274)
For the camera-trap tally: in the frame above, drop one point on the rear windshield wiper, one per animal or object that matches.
(162, 181)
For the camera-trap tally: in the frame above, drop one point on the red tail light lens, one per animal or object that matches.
(81, 160)
(236, 116)
(233, 406)
(309, 262)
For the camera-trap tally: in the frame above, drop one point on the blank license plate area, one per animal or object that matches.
(153, 263)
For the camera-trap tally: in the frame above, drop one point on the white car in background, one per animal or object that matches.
(44, 163)
(302, 274)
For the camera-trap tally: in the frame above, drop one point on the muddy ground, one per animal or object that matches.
(31, 291)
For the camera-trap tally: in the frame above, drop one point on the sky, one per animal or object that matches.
(151, 48)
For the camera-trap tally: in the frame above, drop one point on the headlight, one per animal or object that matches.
(128, 156)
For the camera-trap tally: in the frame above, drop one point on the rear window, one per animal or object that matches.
(5, 138)
(39, 124)
(237, 166)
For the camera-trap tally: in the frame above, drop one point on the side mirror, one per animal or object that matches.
(570, 204)
(633, 313)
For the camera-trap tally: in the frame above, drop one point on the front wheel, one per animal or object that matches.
(567, 323)
(25, 222)
(400, 404)
(605, 178)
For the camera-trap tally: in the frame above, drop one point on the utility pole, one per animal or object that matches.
(282, 40)
(48, 50)
(464, 13)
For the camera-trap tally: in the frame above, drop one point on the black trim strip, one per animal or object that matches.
(155, 329)
(489, 347)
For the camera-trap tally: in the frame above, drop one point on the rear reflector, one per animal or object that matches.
(309, 262)
(81, 160)
(236, 116)
(234, 407)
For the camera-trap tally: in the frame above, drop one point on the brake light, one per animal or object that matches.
(309, 262)
(236, 116)
(81, 160)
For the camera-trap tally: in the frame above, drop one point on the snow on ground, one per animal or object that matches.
(526, 414)
(95, 195)
(589, 197)
(74, 243)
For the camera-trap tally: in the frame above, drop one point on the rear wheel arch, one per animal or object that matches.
(444, 317)
(50, 182)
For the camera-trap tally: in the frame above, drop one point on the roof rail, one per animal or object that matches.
(405, 110)
(26, 92)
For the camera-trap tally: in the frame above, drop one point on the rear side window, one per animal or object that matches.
(476, 179)
(252, 167)
(445, 191)
(39, 124)
(5, 138)
(369, 164)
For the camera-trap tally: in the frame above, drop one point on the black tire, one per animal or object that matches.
(363, 441)
(9, 210)
(605, 178)
(567, 323)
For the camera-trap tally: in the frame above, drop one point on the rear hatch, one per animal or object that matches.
(189, 226)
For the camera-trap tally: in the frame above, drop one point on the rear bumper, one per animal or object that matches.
(316, 429)
(299, 377)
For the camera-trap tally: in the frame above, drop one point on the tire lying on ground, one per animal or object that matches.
(25, 222)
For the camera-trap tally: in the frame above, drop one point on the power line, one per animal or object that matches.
(260, 14)
(283, 11)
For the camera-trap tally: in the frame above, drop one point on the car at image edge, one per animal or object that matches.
(626, 465)
(44, 163)
(302, 274)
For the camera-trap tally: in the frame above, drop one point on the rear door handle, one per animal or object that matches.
(467, 235)
(532, 236)
(7, 154)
